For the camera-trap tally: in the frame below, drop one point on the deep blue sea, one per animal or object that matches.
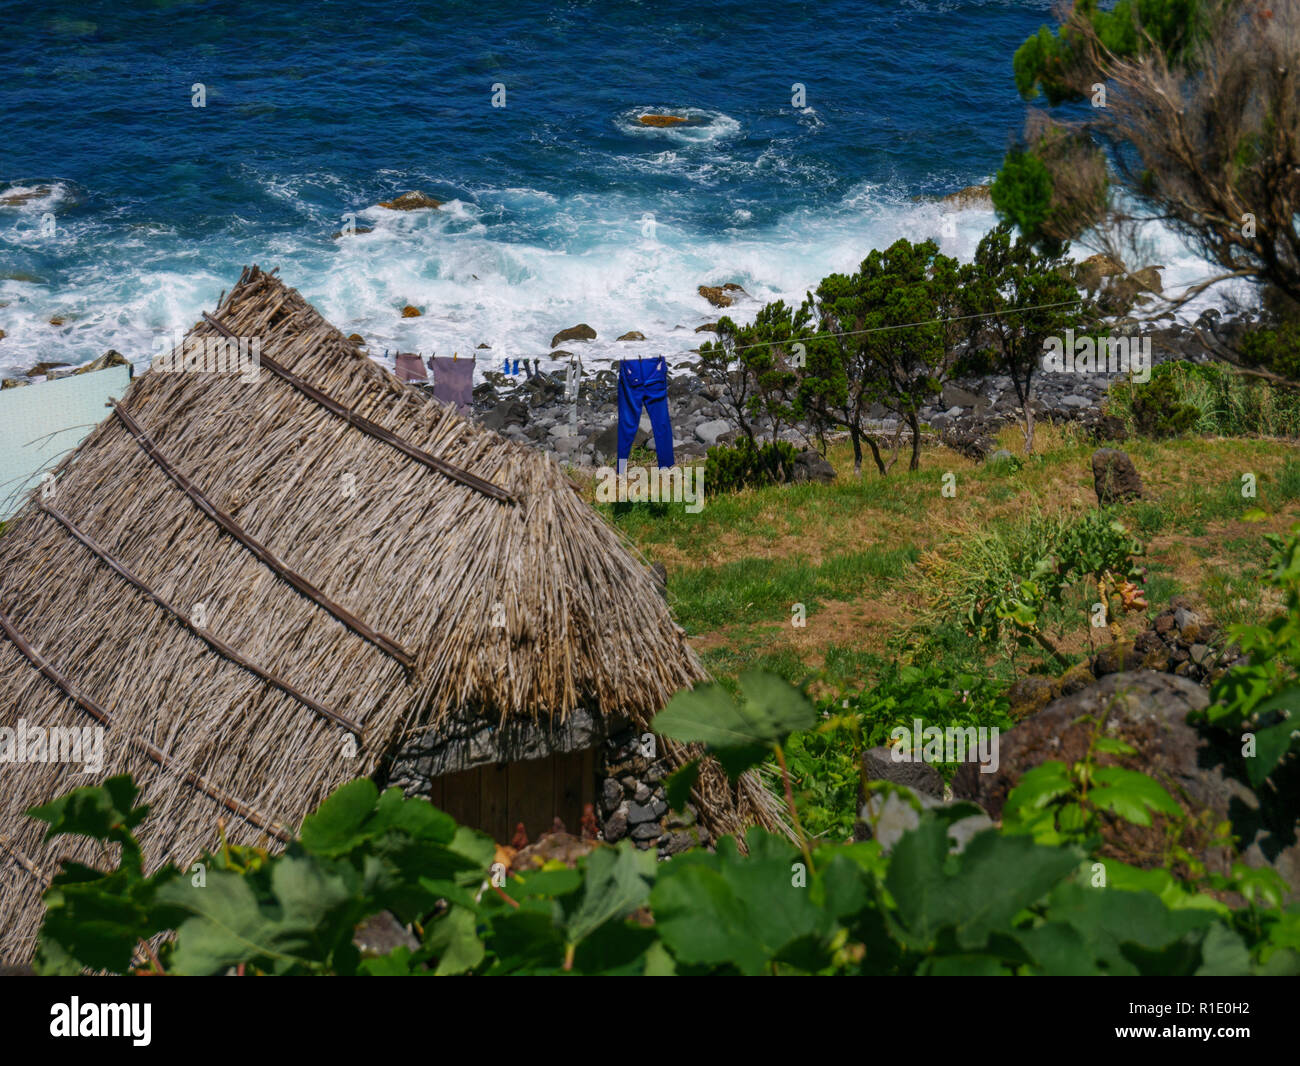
(560, 207)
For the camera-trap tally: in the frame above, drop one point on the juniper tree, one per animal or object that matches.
(1021, 297)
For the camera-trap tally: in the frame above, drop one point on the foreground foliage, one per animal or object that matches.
(1025, 899)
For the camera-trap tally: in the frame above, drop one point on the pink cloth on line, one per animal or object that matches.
(410, 368)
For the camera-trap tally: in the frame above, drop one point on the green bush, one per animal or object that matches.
(1158, 412)
(1007, 584)
(1222, 402)
(745, 465)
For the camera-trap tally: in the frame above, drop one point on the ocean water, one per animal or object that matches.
(560, 207)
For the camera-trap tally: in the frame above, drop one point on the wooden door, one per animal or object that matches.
(496, 797)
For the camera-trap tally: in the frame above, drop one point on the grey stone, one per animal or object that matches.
(709, 432)
(810, 466)
(611, 794)
(646, 812)
(642, 794)
(615, 826)
(647, 831)
(878, 764)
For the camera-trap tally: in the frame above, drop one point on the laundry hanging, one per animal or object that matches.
(644, 382)
(453, 381)
(409, 368)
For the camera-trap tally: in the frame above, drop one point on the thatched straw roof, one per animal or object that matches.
(235, 577)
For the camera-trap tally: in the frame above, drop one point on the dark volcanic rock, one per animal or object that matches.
(1149, 710)
(879, 765)
(580, 332)
(809, 465)
(1114, 476)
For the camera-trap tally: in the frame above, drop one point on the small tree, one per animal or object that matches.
(1022, 298)
(892, 345)
(754, 364)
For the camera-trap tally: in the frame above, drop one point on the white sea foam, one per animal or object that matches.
(507, 267)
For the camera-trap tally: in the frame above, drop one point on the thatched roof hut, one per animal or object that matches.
(261, 587)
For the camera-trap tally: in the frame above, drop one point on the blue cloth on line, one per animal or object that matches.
(644, 382)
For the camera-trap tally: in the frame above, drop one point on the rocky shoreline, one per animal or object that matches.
(531, 408)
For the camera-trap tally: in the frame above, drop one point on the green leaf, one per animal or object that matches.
(1271, 744)
(336, 826)
(1130, 795)
(970, 892)
(1223, 954)
(773, 709)
(453, 939)
(102, 812)
(1036, 789)
(303, 922)
(617, 882)
(725, 909)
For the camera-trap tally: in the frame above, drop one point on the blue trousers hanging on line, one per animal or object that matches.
(644, 382)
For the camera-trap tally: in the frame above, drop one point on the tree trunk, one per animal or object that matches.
(915, 423)
(857, 452)
(875, 454)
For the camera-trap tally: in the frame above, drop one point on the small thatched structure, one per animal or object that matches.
(261, 587)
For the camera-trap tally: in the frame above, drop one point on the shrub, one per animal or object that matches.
(743, 465)
(1006, 584)
(1158, 412)
(1224, 403)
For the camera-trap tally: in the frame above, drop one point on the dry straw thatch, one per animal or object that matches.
(237, 576)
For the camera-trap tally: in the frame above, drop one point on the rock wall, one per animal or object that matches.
(631, 801)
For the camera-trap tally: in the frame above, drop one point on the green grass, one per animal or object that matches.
(765, 589)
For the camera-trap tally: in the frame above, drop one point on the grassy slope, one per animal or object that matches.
(852, 552)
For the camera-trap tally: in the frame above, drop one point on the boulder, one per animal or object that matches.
(514, 413)
(1091, 271)
(410, 312)
(357, 339)
(953, 396)
(44, 369)
(112, 357)
(1124, 290)
(632, 335)
(1202, 772)
(968, 442)
(721, 295)
(971, 196)
(660, 121)
(810, 465)
(580, 332)
(411, 201)
(878, 765)
(709, 432)
(708, 327)
(355, 231)
(1114, 477)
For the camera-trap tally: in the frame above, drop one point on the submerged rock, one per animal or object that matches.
(411, 201)
(662, 120)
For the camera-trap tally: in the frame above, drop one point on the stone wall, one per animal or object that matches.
(631, 801)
